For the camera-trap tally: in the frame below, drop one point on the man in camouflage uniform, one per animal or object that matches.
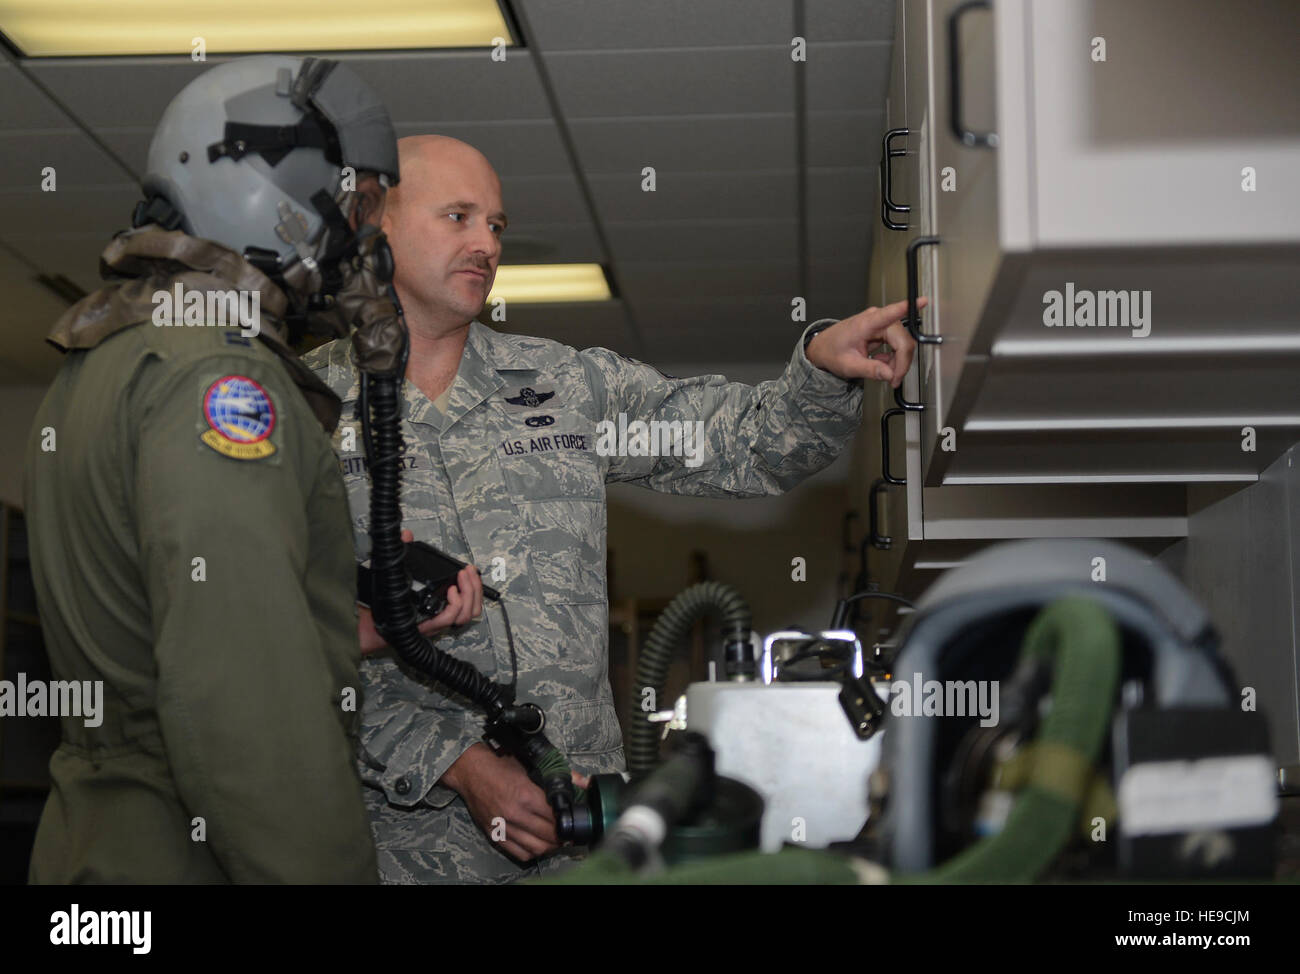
(502, 471)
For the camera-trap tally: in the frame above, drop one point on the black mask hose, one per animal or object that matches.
(516, 729)
(395, 617)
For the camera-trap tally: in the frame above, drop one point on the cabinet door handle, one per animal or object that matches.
(901, 403)
(987, 140)
(884, 446)
(887, 204)
(913, 319)
(879, 540)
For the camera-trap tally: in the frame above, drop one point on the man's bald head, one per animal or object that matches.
(444, 222)
(420, 156)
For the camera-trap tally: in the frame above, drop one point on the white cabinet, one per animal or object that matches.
(1147, 202)
(1101, 253)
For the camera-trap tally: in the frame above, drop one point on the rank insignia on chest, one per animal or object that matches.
(240, 418)
(528, 398)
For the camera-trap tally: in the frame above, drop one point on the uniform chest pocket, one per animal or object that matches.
(560, 501)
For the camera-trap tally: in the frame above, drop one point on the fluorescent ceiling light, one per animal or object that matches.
(549, 283)
(71, 28)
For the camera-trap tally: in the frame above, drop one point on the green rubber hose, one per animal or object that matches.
(1084, 643)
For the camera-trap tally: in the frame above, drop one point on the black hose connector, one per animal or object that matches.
(672, 626)
(685, 783)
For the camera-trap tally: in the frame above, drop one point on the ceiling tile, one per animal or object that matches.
(690, 144)
(116, 92)
(756, 314)
(708, 279)
(847, 77)
(71, 210)
(128, 93)
(575, 25)
(690, 240)
(543, 199)
(838, 139)
(77, 161)
(24, 105)
(841, 193)
(545, 243)
(850, 20)
(675, 82)
(834, 241)
(696, 196)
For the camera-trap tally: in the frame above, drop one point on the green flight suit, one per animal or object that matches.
(191, 549)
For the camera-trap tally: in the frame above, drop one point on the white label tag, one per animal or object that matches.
(1160, 797)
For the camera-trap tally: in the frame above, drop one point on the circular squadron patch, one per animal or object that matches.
(240, 418)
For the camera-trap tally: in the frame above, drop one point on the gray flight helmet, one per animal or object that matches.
(251, 155)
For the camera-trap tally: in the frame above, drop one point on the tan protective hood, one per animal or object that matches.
(152, 259)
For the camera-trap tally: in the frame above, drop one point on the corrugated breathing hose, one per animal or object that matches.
(672, 626)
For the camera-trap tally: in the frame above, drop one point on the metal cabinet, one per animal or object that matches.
(1013, 167)
(1152, 215)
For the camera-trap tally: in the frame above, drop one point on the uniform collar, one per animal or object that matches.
(487, 354)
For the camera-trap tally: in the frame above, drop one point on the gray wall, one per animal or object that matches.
(1240, 558)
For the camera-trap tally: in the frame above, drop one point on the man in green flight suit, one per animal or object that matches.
(189, 527)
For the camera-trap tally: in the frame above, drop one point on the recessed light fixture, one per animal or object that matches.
(550, 283)
(85, 28)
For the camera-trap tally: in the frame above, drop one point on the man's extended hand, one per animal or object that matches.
(870, 345)
(464, 604)
(504, 802)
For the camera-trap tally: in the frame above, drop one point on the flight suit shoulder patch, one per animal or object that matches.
(238, 418)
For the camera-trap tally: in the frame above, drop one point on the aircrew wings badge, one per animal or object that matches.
(240, 418)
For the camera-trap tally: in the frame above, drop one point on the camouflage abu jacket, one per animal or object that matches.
(512, 479)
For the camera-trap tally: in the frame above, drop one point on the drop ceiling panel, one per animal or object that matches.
(543, 199)
(449, 86)
(579, 25)
(832, 282)
(838, 139)
(841, 193)
(543, 243)
(69, 210)
(835, 241)
(701, 315)
(77, 161)
(24, 106)
(849, 20)
(674, 82)
(695, 196)
(454, 86)
(719, 143)
(690, 240)
(116, 92)
(645, 281)
(847, 77)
